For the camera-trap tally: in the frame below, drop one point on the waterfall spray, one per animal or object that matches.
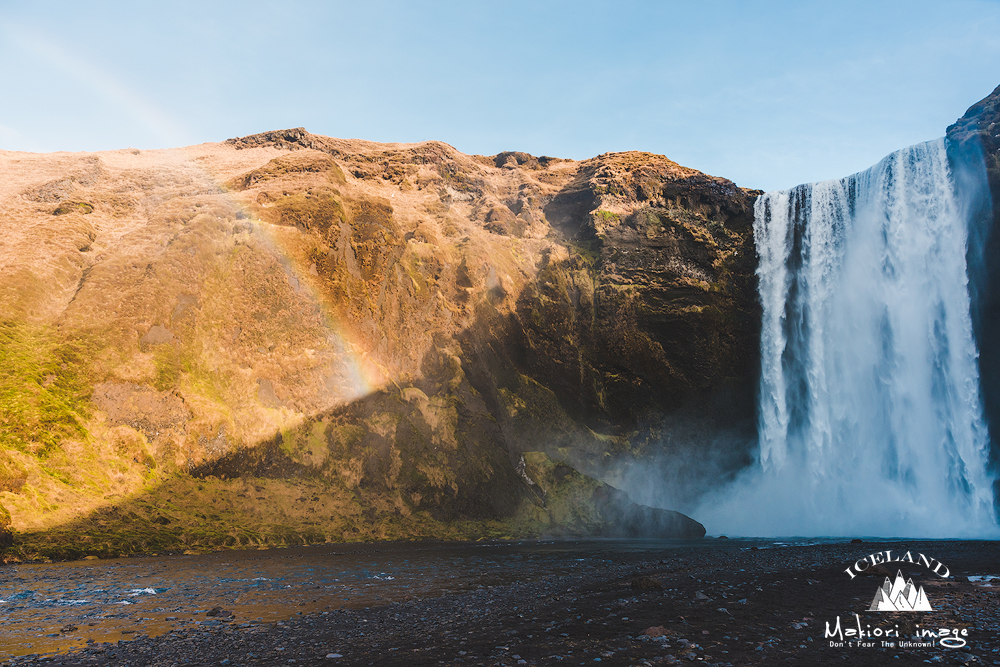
(870, 419)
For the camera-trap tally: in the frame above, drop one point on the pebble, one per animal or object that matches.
(432, 630)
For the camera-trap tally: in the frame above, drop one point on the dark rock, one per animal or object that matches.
(501, 220)
(974, 153)
(657, 304)
(293, 139)
(624, 518)
(570, 503)
(516, 158)
(645, 583)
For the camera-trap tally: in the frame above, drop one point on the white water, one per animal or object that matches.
(869, 417)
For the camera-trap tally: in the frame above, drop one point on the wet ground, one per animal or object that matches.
(726, 602)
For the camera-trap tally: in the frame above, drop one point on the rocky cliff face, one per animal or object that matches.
(289, 337)
(974, 148)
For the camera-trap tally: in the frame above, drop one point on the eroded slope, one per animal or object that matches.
(291, 337)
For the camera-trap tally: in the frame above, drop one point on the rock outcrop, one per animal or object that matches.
(974, 149)
(289, 337)
(569, 504)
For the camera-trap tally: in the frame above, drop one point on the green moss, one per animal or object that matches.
(169, 366)
(43, 387)
(290, 166)
(12, 473)
(289, 438)
(649, 223)
(719, 231)
(179, 366)
(412, 265)
(318, 209)
(72, 206)
(245, 513)
(317, 436)
(568, 506)
(345, 437)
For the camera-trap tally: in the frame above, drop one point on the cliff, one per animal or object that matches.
(293, 338)
(974, 149)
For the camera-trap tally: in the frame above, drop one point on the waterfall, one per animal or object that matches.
(870, 419)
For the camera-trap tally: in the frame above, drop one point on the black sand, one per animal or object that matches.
(726, 607)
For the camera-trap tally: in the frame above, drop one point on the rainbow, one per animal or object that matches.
(363, 374)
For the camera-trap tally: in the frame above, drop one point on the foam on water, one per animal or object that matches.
(870, 417)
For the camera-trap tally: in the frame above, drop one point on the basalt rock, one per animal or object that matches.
(624, 518)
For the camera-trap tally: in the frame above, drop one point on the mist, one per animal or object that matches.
(870, 417)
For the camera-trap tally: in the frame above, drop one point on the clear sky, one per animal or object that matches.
(768, 94)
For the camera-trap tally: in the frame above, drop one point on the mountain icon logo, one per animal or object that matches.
(900, 595)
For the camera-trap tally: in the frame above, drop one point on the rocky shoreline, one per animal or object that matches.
(734, 606)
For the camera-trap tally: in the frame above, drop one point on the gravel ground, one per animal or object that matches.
(725, 607)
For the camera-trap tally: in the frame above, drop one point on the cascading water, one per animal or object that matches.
(870, 419)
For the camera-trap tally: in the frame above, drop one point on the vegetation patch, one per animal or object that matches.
(74, 207)
(185, 514)
(43, 387)
(289, 165)
(316, 209)
(606, 217)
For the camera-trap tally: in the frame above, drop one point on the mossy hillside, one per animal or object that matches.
(384, 470)
(65, 457)
(217, 280)
(43, 387)
(431, 447)
(73, 479)
(563, 505)
(289, 167)
(56, 461)
(195, 514)
(182, 513)
(226, 337)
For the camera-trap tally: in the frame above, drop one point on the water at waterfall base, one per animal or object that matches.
(608, 602)
(870, 414)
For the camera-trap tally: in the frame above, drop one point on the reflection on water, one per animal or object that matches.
(60, 606)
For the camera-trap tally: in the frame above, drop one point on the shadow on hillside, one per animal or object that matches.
(583, 381)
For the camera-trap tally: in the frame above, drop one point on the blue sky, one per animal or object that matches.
(768, 94)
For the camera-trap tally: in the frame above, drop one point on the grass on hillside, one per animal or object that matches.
(43, 388)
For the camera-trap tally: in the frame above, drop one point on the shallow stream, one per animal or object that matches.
(57, 607)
